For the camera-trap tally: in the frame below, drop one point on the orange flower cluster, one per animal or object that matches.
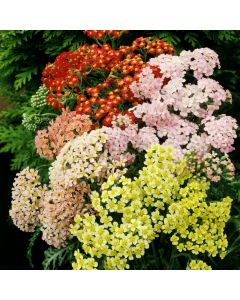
(100, 34)
(73, 71)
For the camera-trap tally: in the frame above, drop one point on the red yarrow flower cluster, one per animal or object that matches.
(73, 71)
(100, 34)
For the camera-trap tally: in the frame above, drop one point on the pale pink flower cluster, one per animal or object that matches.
(198, 143)
(201, 61)
(155, 113)
(171, 66)
(27, 196)
(200, 99)
(148, 86)
(215, 167)
(221, 132)
(65, 128)
(118, 140)
(146, 138)
(170, 128)
(181, 112)
(84, 158)
(59, 208)
(185, 135)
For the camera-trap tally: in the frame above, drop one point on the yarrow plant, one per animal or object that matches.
(64, 128)
(140, 173)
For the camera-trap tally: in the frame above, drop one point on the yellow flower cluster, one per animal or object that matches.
(129, 212)
(84, 263)
(198, 265)
(196, 225)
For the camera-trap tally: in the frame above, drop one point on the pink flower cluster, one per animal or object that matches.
(221, 132)
(147, 86)
(27, 197)
(200, 99)
(59, 208)
(181, 113)
(118, 140)
(201, 61)
(65, 128)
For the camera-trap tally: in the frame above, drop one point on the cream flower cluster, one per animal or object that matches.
(27, 195)
(52, 208)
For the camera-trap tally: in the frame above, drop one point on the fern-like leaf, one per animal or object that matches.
(24, 77)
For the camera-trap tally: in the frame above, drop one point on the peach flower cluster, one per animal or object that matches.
(64, 128)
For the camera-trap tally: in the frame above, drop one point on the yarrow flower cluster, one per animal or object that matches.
(101, 34)
(39, 99)
(53, 209)
(198, 265)
(117, 69)
(59, 207)
(140, 204)
(63, 129)
(175, 104)
(196, 225)
(216, 167)
(27, 195)
(200, 99)
(84, 158)
(221, 132)
(202, 61)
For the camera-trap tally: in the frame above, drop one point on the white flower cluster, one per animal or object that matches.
(39, 99)
(31, 121)
(84, 158)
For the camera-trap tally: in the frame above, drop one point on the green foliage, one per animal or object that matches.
(59, 258)
(24, 54)
(169, 37)
(20, 141)
(62, 40)
(24, 77)
(32, 241)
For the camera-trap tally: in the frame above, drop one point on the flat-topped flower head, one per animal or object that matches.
(83, 158)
